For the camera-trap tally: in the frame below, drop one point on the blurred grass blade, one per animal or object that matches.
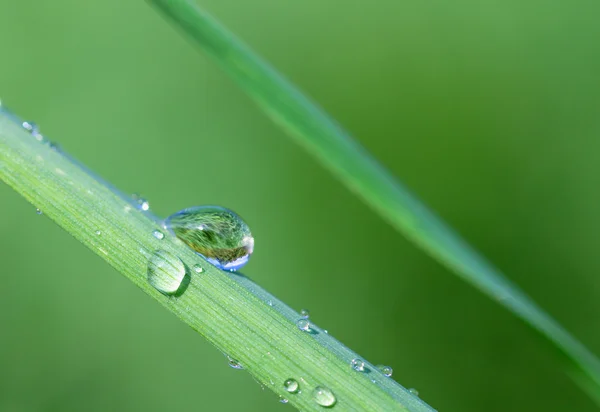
(363, 175)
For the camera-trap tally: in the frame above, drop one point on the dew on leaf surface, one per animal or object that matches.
(216, 233)
(166, 272)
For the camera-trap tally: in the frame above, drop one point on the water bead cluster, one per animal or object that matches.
(224, 240)
(217, 234)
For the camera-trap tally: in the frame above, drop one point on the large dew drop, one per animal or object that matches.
(165, 272)
(214, 232)
(324, 396)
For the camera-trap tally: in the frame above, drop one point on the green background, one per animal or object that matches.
(488, 110)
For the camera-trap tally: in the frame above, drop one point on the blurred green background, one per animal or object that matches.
(487, 110)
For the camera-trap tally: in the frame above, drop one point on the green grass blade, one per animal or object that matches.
(336, 149)
(232, 312)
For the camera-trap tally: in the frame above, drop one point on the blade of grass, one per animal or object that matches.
(336, 149)
(239, 317)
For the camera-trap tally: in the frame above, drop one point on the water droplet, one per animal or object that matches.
(216, 233)
(324, 396)
(270, 302)
(283, 400)
(165, 272)
(413, 391)
(233, 363)
(198, 268)
(325, 331)
(303, 324)
(358, 364)
(158, 234)
(38, 211)
(305, 313)
(141, 202)
(98, 233)
(386, 370)
(291, 385)
(30, 127)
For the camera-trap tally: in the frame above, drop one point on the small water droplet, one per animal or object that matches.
(158, 234)
(216, 233)
(413, 391)
(303, 324)
(39, 211)
(358, 364)
(141, 202)
(233, 363)
(291, 385)
(305, 313)
(324, 396)
(270, 302)
(386, 370)
(165, 272)
(198, 268)
(325, 331)
(98, 233)
(283, 400)
(30, 127)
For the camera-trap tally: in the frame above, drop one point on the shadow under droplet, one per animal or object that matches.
(313, 331)
(237, 275)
